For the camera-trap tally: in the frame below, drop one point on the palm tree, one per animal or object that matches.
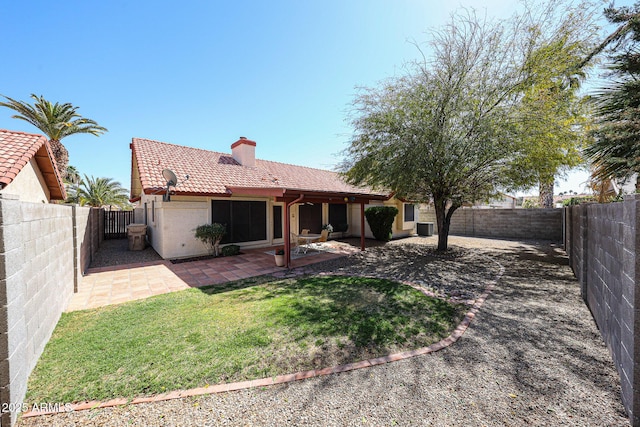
(72, 175)
(56, 121)
(615, 152)
(72, 183)
(98, 192)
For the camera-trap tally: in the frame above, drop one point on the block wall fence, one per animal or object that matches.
(44, 250)
(603, 244)
(530, 224)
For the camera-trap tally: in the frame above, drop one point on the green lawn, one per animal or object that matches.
(246, 330)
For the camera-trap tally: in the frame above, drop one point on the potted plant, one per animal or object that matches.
(279, 256)
(329, 229)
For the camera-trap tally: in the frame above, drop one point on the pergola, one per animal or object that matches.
(291, 197)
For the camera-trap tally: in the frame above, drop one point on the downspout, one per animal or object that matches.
(362, 226)
(287, 229)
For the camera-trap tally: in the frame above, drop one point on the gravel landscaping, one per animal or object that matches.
(532, 355)
(116, 252)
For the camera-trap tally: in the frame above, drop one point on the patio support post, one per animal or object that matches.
(362, 226)
(287, 236)
(287, 231)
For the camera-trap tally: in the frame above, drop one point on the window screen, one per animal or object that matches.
(409, 212)
(246, 221)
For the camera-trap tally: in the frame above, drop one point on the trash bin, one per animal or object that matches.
(425, 229)
(137, 234)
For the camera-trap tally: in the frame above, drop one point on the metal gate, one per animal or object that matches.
(115, 223)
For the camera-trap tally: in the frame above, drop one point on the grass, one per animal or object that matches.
(246, 330)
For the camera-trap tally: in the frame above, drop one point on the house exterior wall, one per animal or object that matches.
(399, 229)
(29, 185)
(171, 225)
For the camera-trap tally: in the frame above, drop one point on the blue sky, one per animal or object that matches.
(204, 73)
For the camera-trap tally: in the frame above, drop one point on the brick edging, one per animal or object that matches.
(287, 378)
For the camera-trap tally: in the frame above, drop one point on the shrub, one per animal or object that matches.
(578, 200)
(380, 219)
(279, 251)
(230, 250)
(211, 235)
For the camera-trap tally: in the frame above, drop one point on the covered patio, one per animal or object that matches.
(291, 197)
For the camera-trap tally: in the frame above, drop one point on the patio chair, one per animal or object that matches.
(305, 231)
(324, 235)
(295, 243)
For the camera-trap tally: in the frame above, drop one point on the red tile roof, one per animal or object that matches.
(212, 173)
(17, 149)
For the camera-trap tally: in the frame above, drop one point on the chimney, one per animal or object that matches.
(244, 152)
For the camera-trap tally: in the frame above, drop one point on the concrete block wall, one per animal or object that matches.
(603, 241)
(536, 224)
(41, 248)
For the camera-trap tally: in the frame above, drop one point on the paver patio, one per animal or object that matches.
(117, 284)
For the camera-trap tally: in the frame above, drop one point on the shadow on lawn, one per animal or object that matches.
(533, 352)
(336, 320)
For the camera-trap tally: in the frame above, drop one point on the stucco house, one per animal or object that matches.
(28, 169)
(260, 201)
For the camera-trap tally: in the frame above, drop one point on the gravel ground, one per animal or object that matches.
(116, 252)
(532, 356)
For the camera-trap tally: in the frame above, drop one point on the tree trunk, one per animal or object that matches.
(61, 156)
(546, 193)
(443, 218)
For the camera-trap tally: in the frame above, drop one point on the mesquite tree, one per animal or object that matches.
(447, 132)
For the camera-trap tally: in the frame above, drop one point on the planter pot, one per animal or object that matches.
(279, 260)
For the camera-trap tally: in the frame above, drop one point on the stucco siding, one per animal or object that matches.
(29, 185)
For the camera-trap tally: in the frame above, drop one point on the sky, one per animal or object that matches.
(204, 73)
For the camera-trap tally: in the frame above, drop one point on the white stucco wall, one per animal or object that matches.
(29, 185)
(399, 228)
(171, 225)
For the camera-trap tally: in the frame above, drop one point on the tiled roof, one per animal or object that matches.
(18, 148)
(213, 173)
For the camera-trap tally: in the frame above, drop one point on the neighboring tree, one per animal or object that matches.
(552, 121)
(72, 175)
(448, 131)
(440, 133)
(56, 121)
(530, 204)
(72, 183)
(100, 192)
(615, 152)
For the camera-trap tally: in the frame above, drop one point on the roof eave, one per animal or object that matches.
(46, 163)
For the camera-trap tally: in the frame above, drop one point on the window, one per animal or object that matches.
(277, 222)
(246, 221)
(338, 217)
(310, 217)
(409, 212)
